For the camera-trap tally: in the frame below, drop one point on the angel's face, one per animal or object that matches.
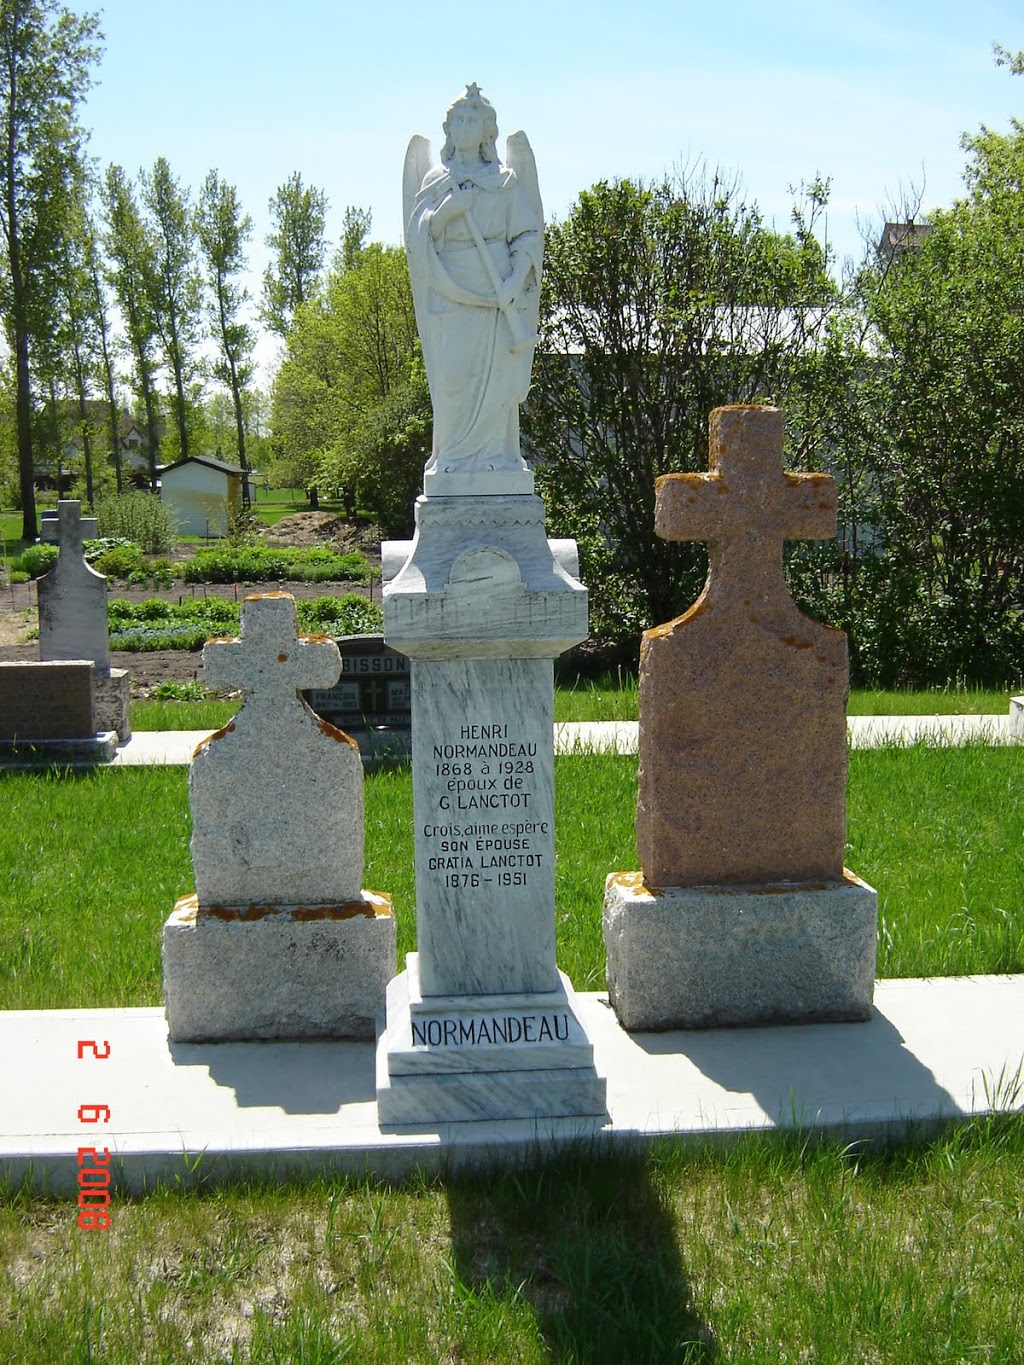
(465, 129)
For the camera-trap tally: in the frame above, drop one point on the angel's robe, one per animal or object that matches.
(476, 382)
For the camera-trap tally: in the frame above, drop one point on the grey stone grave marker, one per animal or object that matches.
(279, 940)
(371, 701)
(73, 622)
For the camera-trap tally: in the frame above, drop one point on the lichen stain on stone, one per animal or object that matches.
(794, 643)
(225, 640)
(282, 658)
(186, 909)
(314, 639)
(633, 883)
(332, 732)
(268, 596)
(252, 914)
(348, 910)
(217, 734)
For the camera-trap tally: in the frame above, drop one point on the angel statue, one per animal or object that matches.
(474, 232)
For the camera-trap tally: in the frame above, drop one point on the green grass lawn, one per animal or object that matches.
(590, 702)
(773, 1250)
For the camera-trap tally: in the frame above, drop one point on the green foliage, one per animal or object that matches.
(138, 517)
(155, 624)
(193, 690)
(348, 615)
(660, 302)
(259, 564)
(36, 560)
(118, 561)
(222, 231)
(175, 294)
(47, 54)
(349, 404)
(925, 419)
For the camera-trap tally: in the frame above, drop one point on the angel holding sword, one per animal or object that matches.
(474, 234)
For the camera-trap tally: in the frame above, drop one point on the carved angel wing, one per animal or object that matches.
(519, 156)
(417, 163)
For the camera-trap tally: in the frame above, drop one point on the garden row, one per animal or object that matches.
(155, 624)
(119, 558)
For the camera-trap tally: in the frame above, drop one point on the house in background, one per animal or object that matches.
(202, 495)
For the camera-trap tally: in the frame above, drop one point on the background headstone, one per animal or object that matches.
(73, 600)
(744, 912)
(372, 700)
(73, 621)
(47, 715)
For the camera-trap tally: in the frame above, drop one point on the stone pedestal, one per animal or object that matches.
(277, 972)
(456, 1058)
(48, 715)
(482, 602)
(708, 956)
(111, 698)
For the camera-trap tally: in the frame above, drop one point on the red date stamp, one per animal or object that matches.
(93, 1162)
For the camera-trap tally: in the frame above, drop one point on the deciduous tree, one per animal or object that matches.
(223, 231)
(131, 257)
(660, 302)
(299, 243)
(47, 54)
(176, 300)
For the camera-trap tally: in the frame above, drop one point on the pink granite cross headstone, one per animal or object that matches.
(743, 698)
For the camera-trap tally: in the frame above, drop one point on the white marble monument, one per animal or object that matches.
(279, 939)
(481, 1024)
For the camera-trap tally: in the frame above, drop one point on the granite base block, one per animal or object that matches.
(111, 694)
(277, 973)
(459, 1058)
(709, 956)
(59, 753)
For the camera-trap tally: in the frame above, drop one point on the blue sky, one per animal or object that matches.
(874, 95)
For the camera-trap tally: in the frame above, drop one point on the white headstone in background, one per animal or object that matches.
(280, 939)
(481, 1024)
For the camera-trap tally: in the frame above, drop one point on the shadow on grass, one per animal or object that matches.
(589, 1242)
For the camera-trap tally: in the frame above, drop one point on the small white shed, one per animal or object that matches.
(201, 495)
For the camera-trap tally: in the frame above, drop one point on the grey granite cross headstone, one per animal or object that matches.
(73, 600)
(277, 795)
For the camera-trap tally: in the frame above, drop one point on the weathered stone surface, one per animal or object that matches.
(277, 795)
(48, 700)
(743, 698)
(73, 600)
(705, 956)
(111, 702)
(318, 972)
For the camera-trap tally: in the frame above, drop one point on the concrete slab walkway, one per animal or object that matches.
(934, 1052)
(174, 747)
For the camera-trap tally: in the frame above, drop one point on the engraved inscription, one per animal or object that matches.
(509, 1028)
